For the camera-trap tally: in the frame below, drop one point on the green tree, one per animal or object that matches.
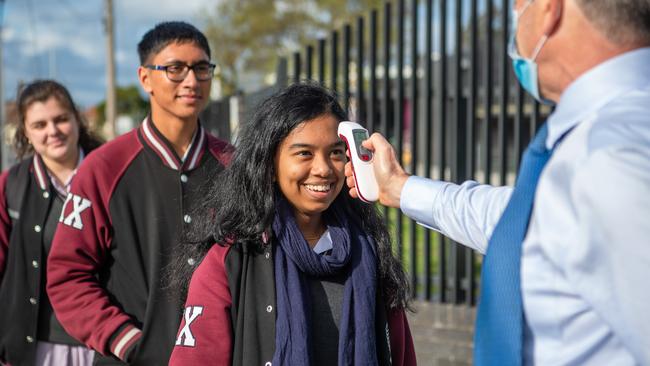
(129, 102)
(249, 35)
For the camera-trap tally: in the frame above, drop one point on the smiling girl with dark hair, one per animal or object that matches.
(303, 274)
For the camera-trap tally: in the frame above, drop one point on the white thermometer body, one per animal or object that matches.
(353, 134)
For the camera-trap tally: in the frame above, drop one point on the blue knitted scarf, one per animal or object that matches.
(353, 252)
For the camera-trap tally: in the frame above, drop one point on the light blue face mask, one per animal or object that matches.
(525, 68)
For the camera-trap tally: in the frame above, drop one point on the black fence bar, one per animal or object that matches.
(372, 89)
(470, 131)
(537, 118)
(442, 139)
(386, 88)
(520, 128)
(503, 105)
(361, 106)
(347, 35)
(399, 100)
(414, 137)
(487, 102)
(472, 98)
(334, 60)
(488, 93)
(321, 61)
(399, 110)
(309, 62)
(296, 67)
(386, 82)
(457, 161)
(426, 130)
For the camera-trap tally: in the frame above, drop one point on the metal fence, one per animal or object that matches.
(434, 77)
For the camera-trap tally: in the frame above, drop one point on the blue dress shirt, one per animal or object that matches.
(585, 262)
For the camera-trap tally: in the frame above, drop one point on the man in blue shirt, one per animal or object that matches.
(574, 283)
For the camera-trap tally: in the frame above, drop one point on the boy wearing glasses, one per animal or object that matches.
(129, 203)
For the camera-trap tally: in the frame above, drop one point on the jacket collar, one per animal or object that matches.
(44, 178)
(40, 172)
(163, 148)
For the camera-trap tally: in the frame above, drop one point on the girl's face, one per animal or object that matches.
(309, 165)
(52, 130)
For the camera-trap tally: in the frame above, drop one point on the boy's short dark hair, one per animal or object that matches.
(166, 33)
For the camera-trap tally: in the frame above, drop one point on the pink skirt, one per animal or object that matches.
(54, 354)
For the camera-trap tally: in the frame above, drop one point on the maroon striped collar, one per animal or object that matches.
(40, 172)
(161, 146)
(44, 178)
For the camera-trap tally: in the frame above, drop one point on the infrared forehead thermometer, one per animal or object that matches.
(353, 134)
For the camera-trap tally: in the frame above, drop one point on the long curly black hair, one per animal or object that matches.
(240, 204)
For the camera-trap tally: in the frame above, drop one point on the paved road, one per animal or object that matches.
(442, 334)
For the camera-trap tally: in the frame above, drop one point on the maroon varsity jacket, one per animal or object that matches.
(117, 231)
(229, 318)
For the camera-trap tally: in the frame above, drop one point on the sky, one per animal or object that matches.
(65, 40)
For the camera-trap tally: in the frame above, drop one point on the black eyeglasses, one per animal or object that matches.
(178, 72)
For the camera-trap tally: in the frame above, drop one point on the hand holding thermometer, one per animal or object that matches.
(353, 134)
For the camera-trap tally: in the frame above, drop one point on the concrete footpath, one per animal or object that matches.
(442, 334)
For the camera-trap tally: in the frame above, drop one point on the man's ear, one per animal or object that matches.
(145, 81)
(553, 11)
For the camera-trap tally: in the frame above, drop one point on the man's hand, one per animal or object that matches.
(389, 174)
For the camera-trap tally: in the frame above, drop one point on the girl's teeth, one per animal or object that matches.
(324, 188)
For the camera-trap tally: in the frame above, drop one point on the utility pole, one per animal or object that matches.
(110, 70)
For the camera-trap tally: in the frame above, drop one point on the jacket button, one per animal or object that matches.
(268, 364)
(269, 309)
(191, 261)
(35, 263)
(46, 194)
(187, 219)
(37, 228)
(29, 339)
(32, 301)
(267, 255)
(183, 178)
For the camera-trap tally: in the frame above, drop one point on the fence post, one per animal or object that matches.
(334, 60)
(360, 95)
(282, 73)
(442, 140)
(414, 138)
(426, 131)
(321, 61)
(297, 67)
(372, 90)
(346, 67)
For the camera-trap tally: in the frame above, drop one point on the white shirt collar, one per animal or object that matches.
(64, 187)
(324, 243)
(597, 87)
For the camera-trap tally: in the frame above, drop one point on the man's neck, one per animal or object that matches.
(177, 131)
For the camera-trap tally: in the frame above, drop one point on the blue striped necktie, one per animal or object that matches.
(499, 325)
